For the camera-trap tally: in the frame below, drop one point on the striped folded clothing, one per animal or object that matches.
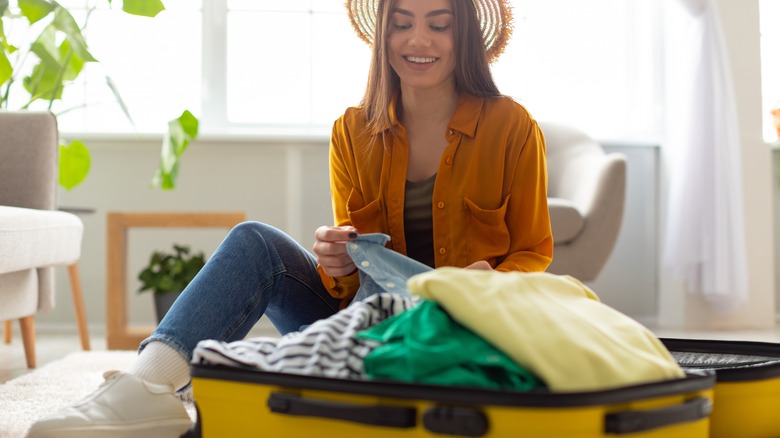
(327, 348)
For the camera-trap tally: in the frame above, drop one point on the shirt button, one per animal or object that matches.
(451, 132)
(390, 285)
(353, 246)
(449, 160)
(440, 205)
(442, 251)
(365, 263)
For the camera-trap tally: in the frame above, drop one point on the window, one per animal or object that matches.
(594, 64)
(293, 66)
(292, 63)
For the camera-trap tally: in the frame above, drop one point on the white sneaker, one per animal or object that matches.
(123, 406)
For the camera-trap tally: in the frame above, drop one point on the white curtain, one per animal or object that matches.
(705, 241)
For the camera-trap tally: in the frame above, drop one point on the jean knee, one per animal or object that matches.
(248, 230)
(256, 236)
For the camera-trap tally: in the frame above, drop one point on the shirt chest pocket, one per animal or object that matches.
(487, 236)
(367, 218)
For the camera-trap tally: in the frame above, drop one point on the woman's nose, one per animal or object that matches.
(420, 37)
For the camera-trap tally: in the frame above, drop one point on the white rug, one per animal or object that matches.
(55, 385)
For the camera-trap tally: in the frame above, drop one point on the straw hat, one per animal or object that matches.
(495, 21)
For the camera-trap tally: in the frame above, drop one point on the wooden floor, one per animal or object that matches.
(51, 346)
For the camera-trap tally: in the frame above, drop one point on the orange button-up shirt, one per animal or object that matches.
(489, 199)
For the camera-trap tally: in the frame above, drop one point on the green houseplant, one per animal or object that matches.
(43, 50)
(167, 274)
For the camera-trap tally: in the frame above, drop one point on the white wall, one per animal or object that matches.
(629, 281)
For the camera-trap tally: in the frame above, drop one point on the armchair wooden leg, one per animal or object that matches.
(8, 331)
(28, 339)
(78, 305)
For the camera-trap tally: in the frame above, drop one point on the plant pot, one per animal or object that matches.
(163, 302)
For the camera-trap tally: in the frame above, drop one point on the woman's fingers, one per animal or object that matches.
(322, 248)
(335, 234)
(336, 266)
(331, 250)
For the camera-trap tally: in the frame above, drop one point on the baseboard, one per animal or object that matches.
(67, 329)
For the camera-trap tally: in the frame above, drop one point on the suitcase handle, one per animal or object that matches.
(386, 416)
(638, 421)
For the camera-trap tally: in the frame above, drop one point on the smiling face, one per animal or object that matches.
(421, 43)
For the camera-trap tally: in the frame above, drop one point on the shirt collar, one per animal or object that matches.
(466, 115)
(464, 120)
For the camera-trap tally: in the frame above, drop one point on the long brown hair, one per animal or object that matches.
(472, 70)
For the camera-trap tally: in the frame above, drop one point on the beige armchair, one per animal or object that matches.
(586, 193)
(34, 236)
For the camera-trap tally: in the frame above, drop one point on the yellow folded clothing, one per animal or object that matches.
(552, 325)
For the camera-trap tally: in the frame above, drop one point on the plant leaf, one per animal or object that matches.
(3, 8)
(45, 46)
(6, 70)
(165, 284)
(58, 65)
(43, 79)
(74, 163)
(189, 124)
(119, 100)
(180, 132)
(65, 23)
(43, 82)
(145, 8)
(75, 63)
(35, 10)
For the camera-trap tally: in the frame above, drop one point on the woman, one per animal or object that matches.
(435, 157)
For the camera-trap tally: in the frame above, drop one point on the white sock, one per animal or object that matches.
(160, 363)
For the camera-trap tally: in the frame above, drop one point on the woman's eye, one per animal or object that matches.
(401, 26)
(440, 28)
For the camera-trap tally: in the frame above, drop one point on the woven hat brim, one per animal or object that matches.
(495, 22)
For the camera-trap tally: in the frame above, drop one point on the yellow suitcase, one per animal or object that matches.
(747, 388)
(235, 402)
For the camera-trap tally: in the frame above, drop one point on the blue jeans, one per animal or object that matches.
(256, 270)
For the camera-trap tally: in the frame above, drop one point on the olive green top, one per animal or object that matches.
(418, 220)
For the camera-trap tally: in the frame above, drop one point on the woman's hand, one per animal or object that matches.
(480, 265)
(330, 247)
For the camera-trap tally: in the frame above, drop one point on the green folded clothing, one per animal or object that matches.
(425, 345)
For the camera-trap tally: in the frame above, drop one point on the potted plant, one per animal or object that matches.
(167, 274)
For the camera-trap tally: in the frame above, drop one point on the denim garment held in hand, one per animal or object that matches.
(381, 269)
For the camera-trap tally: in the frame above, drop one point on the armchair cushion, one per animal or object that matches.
(35, 238)
(565, 219)
(32, 242)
